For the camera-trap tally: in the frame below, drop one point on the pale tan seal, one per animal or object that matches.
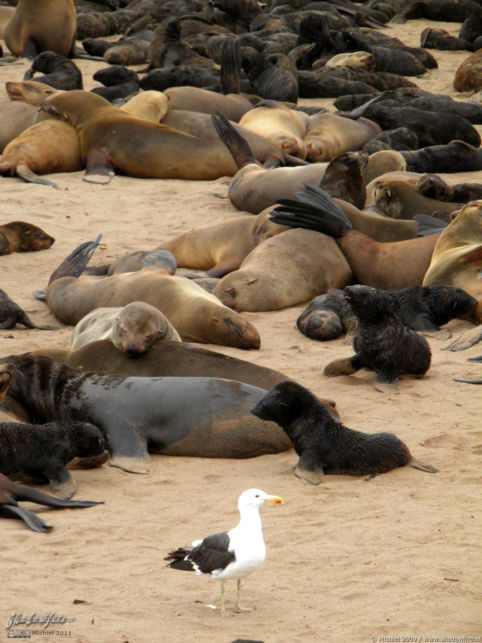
(282, 126)
(41, 25)
(149, 105)
(289, 269)
(220, 248)
(231, 106)
(132, 329)
(329, 135)
(14, 119)
(353, 60)
(457, 255)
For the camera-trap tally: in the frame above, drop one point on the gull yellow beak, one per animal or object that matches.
(276, 499)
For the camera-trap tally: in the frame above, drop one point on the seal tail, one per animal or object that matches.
(230, 71)
(313, 209)
(236, 144)
(428, 225)
(75, 263)
(30, 519)
(416, 464)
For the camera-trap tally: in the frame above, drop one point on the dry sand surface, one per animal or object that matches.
(350, 560)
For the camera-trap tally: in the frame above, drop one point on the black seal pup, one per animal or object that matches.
(43, 450)
(11, 314)
(11, 491)
(325, 445)
(382, 342)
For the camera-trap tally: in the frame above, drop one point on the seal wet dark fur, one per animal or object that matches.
(325, 445)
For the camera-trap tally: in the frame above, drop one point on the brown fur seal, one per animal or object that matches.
(14, 119)
(457, 255)
(468, 76)
(11, 314)
(388, 265)
(382, 342)
(11, 491)
(353, 60)
(59, 72)
(329, 135)
(149, 106)
(41, 25)
(286, 270)
(221, 248)
(111, 139)
(162, 260)
(325, 446)
(46, 147)
(132, 329)
(170, 359)
(282, 126)
(194, 313)
(185, 416)
(19, 236)
(325, 316)
(195, 99)
(43, 450)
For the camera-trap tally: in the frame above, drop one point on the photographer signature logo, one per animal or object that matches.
(39, 620)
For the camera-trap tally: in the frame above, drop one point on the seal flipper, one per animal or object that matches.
(62, 484)
(466, 340)
(306, 470)
(416, 464)
(26, 174)
(98, 170)
(74, 264)
(346, 366)
(128, 451)
(30, 519)
(236, 144)
(428, 225)
(386, 385)
(230, 71)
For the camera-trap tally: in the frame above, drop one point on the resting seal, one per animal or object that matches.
(43, 450)
(382, 342)
(11, 314)
(188, 416)
(112, 140)
(288, 269)
(457, 255)
(325, 445)
(42, 25)
(11, 491)
(19, 236)
(132, 329)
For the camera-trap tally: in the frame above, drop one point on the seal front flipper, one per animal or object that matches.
(236, 144)
(345, 366)
(62, 484)
(308, 469)
(128, 451)
(98, 169)
(386, 384)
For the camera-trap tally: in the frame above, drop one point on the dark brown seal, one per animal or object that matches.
(11, 491)
(19, 236)
(325, 445)
(11, 314)
(43, 450)
(59, 71)
(382, 342)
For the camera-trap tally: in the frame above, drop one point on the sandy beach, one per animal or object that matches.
(348, 561)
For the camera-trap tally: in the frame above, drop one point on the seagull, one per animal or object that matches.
(229, 554)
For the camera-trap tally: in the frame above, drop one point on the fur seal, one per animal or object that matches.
(288, 269)
(11, 491)
(11, 314)
(111, 139)
(196, 99)
(329, 135)
(353, 60)
(19, 236)
(169, 359)
(149, 106)
(324, 317)
(59, 72)
(43, 450)
(42, 25)
(456, 156)
(140, 413)
(468, 76)
(325, 446)
(222, 247)
(457, 255)
(46, 147)
(195, 314)
(132, 329)
(14, 119)
(387, 265)
(282, 126)
(382, 342)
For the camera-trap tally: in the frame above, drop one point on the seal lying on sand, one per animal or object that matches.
(43, 450)
(132, 329)
(382, 342)
(326, 446)
(19, 236)
(188, 416)
(11, 314)
(11, 491)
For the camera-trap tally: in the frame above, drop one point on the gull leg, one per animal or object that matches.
(238, 601)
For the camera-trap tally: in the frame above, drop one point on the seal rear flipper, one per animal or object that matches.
(26, 174)
(25, 320)
(62, 485)
(468, 380)
(230, 71)
(466, 340)
(416, 464)
(236, 144)
(30, 519)
(74, 264)
(428, 225)
(305, 471)
(131, 465)
(98, 170)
